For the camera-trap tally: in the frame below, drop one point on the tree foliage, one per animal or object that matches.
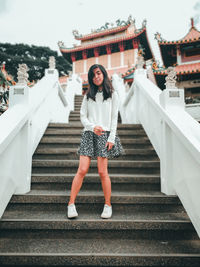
(35, 57)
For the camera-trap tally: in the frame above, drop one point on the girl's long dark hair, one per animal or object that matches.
(107, 85)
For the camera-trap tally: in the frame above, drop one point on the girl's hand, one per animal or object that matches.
(109, 145)
(98, 130)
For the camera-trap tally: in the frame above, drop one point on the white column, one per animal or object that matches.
(170, 99)
(73, 67)
(178, 58)
(135, 55)
(122, 58)
(109, 61)
(97, 60)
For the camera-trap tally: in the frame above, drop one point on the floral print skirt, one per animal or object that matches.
(94, 146)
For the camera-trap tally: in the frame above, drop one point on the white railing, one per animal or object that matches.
(194, 110)
(175, 136)
(23, 125)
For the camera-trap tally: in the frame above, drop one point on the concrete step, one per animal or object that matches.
(65, 142)
(77, 132)
(115, 166)
(71, 153)
(88, 196)
(48, 250)
(92, 182)
(79, 125)
(142, 224)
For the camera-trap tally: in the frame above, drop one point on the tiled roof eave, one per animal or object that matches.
(177, 72)
(178, 42)
(80, 48)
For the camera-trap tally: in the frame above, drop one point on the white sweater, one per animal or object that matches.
(100, 113)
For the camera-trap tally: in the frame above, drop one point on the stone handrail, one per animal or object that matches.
(23, 125)
(175, 136)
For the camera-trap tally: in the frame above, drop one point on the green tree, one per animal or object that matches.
(35, 57)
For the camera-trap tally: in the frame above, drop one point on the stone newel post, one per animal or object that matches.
(172, 100)
(19, 94)
(52, 67)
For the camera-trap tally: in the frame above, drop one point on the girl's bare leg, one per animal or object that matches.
(84, 164)
(105, 179)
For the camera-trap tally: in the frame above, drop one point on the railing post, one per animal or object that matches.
(52, 67)
(19, 95)
(139, 73)
(172, 100)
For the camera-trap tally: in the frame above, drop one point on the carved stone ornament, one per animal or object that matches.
(140, 61)
(76, 33)
(22, 75)
(52, 63)
(171, 78)
(144, 23)
(158, 36)
(61, 44)
(130, 20)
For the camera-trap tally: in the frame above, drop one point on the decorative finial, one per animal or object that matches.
(144, 23)
(22, 75)
(192, 22)
(76, 34)
(157, 36)
(61, 44)
(171, 78)
(52, 63)
(130, 20)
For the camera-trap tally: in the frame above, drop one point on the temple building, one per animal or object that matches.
(115, 47)
(184, 55)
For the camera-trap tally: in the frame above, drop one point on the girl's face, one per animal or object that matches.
(98, 77)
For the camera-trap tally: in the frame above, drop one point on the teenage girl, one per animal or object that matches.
(99, 116)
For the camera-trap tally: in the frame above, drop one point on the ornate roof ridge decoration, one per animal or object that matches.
(193, 35)
(61, 44)
(106, 28)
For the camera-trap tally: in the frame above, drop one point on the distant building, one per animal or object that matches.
(115, 47)
(184, 55)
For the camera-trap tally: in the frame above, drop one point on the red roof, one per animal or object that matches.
(181, 69)
(192, 36)
(101, 42)
(102, 33)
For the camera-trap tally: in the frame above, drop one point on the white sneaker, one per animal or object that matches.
(71, 211)
(107, 212)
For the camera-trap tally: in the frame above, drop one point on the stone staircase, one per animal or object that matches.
(147, 228)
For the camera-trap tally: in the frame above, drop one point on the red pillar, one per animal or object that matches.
(121, 46)
(96, 51)
(108, 49)
(73, 56)
(84, 54)
(135, 43)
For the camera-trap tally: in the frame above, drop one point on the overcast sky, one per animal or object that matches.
(45, 22)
